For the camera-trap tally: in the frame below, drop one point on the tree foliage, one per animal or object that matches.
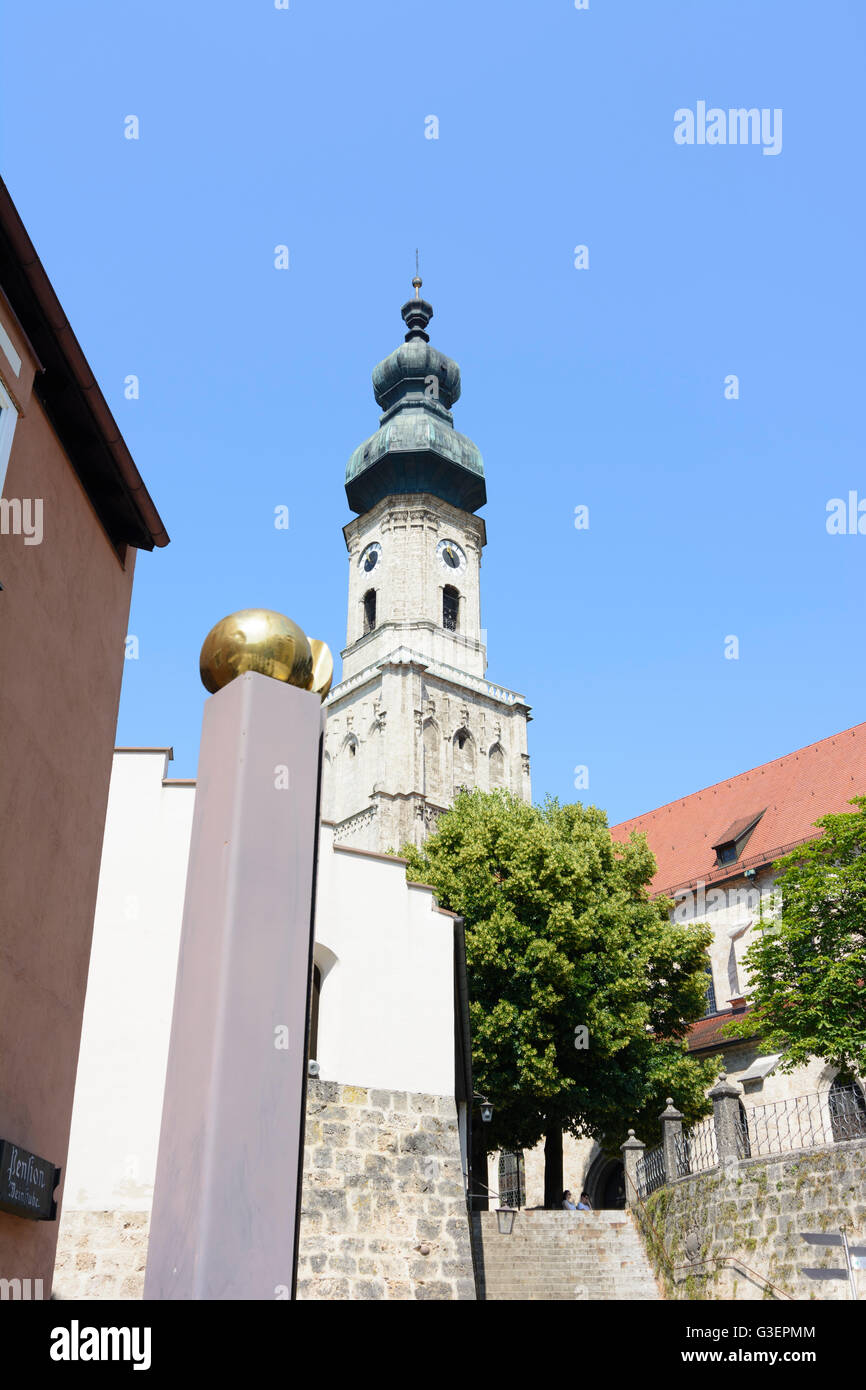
(807, 970)
(561, 933)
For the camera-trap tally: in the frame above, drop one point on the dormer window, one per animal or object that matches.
(729, 846)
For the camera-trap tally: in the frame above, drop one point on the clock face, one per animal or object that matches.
(370, 558)
(451, 557)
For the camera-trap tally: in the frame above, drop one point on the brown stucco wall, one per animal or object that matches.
(63, 614)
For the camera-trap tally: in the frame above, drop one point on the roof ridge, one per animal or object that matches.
(724, 780)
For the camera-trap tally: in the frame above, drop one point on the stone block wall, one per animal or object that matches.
(384, 1212)
(383, 1184)
(753, 1212)
(101, 1254)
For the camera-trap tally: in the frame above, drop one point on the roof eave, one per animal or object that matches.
(71, 397)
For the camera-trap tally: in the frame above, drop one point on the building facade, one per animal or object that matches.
(386, 1146)
(387, 1151)
(714, 852)
(414, 717)
(73, 513)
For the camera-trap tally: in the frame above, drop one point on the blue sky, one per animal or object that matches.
(601, 387)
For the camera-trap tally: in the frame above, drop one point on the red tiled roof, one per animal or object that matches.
(707, 1032)
(813, 781)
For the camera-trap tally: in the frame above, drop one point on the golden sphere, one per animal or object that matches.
(255, 639)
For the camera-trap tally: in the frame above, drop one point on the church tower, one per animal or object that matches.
(414, 717)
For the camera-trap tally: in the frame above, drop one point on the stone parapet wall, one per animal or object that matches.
(101, 1254)
(728, 1230)
(384, 1211)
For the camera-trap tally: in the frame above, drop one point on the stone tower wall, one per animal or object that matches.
(409, 579)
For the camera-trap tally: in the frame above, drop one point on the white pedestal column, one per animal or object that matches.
(231, 1143)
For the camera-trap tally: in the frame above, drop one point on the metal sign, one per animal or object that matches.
(27, 1183)
(854, 1258)
(827, 1239)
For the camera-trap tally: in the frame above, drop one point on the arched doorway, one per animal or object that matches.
(613, 1195)
(605, 1184)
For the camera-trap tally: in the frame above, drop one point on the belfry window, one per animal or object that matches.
(369, 610)
(450, 607)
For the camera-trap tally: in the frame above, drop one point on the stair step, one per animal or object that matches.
(561, 1256)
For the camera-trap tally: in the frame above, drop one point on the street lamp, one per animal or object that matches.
(505, 1220)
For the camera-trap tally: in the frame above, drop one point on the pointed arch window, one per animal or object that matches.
(450, 607)
(432, 744)
(711, 994)
(497, 766)
(369, 610)
(464, 761)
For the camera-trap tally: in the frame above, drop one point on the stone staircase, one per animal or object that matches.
(561, 1255)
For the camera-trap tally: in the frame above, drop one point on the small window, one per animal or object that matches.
(369, 610)
(731, 843)
(450, 607)
(512, 1179)
(711, 993)
(8, 420)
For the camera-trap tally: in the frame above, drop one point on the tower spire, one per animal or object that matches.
(416, 448)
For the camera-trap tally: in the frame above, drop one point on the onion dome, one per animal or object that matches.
(416, 448)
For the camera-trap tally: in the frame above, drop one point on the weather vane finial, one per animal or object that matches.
(417, 282)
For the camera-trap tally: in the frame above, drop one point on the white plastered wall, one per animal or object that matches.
(386, 1016)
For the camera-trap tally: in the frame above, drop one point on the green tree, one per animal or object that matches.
(562, 934)
(807, 970)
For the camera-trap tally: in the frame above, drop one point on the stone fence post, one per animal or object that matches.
(672, 1130)
(726, 1117)
(631, 1151)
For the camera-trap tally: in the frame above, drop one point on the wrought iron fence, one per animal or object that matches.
(696, 1148)
(804, 1122)
(650, 1171)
